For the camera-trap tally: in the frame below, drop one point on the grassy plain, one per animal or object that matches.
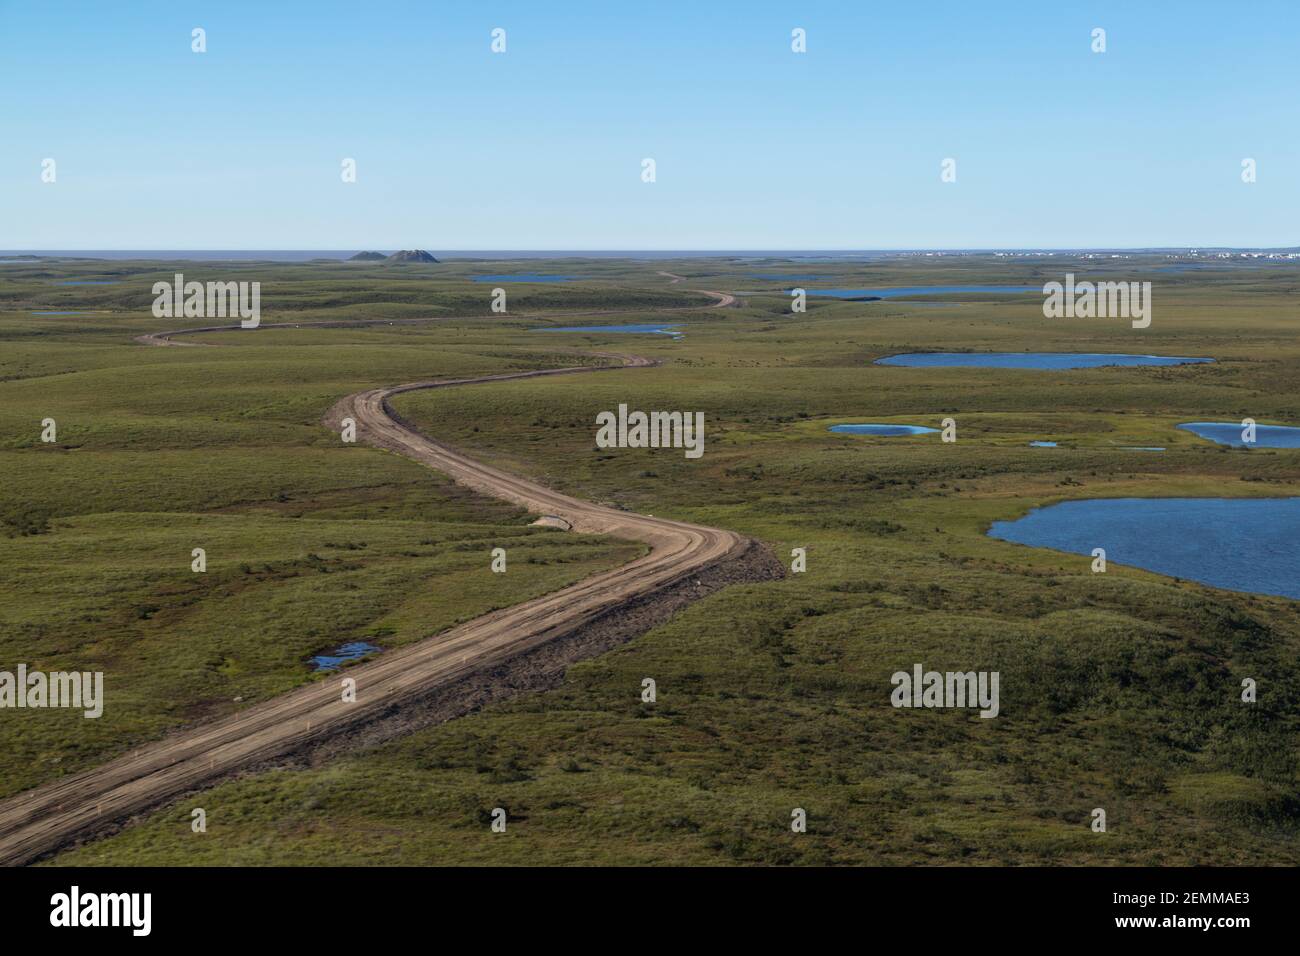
(1118, 691)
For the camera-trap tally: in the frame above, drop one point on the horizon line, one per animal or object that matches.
(1191, 247)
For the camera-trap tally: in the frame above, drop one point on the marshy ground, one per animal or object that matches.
(1119, 690)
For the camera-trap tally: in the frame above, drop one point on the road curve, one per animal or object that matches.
(41, 820)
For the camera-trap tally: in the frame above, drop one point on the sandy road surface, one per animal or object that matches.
(41, 820)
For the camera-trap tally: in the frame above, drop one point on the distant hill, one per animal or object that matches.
(368, 257)
(411, 255)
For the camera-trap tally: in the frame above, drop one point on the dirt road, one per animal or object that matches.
(41, 820)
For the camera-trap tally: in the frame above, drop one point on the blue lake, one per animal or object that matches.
(1140, 448)
(1042, 444)
(342, 654)
(618, 329)
(1037, 360)
(58, 313)
(1243, 544)
(771, 277)
(525, 277)
(1229, 433)
(888, 431)
(919, 290)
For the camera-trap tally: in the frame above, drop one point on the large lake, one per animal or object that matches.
(1038, 360)
(1243, 544)
(1229, 433)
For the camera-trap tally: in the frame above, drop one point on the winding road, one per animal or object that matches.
(42, 820)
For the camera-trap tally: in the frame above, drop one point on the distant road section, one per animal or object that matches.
(721, 300)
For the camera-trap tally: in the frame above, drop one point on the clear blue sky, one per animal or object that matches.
(540, 148)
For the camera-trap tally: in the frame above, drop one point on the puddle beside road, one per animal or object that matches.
(342, 654)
